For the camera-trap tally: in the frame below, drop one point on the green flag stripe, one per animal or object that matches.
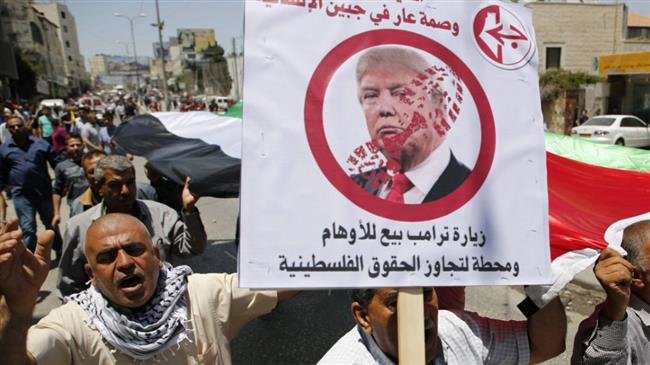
(612, 156)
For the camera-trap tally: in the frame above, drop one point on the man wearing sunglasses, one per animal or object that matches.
(23, 170)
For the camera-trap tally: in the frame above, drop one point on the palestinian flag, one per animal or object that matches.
(594, 191)
(201, 145)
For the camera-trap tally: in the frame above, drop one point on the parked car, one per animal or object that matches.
(52, 103)
(94, 102)
(624, 130)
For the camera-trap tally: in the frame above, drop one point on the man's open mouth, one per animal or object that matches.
(131, 281)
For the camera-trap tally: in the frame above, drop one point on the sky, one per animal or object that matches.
(99, 31)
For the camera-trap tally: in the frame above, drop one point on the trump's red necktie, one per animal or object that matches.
(399, 185)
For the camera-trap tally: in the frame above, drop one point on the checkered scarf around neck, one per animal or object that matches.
(147, 332)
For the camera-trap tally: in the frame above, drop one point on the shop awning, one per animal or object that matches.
(624, 64)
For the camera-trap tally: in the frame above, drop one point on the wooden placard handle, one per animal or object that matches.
(410, 326)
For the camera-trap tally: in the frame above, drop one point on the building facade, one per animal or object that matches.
(35, 38)
(575, 36)
(45, 37)
(73, 61)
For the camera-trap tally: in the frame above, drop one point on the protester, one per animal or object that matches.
(90, 197)
(172, 233)
(23, 168)
(618, 332)
(130, 109)
(45, 127)
(106, 133)
(119, 109)
(73, 121)
(4, 132)
(90, 132)
(58, 137)
(69, 179)
(137, 310)
(451, 337)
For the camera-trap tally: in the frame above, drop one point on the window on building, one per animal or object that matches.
(78, 64)
(65, 29)
(37, 36)
(638, 32)
(63, 14)
(67, 44)
(553, 57)
(70, 58)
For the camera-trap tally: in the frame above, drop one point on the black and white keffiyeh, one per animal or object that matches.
(149, 331)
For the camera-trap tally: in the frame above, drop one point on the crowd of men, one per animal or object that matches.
(123, 301)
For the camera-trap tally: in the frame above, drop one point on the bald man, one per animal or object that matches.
(136, 309)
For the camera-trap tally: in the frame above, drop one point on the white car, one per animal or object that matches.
(624, 130)
(93, 102)
(52, 103)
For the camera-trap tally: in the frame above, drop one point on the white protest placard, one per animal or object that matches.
(392, 143)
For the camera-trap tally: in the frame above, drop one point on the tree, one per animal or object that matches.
(217, 73)
(553, 82)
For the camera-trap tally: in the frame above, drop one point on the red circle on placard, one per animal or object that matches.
(314, 100)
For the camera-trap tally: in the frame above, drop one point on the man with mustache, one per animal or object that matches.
(451, 336)
(138, 309)
(173, 233)
(406, 120)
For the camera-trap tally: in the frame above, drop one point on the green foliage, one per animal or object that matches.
(217, 71)
(212, 72)
(553, 82)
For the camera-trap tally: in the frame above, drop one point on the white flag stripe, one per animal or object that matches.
(212, 129)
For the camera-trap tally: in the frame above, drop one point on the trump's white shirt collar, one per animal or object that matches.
(426, 174)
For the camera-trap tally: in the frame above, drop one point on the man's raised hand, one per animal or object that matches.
(189, 198)
(615, 276)
(22, 272)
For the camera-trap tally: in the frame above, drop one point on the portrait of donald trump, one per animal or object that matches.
(408, 113)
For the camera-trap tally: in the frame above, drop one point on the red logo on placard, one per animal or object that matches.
(502, 37)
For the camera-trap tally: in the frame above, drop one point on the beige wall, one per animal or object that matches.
(98, 65)
(584, 31)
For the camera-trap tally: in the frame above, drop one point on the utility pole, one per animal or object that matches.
(163, 76)
(135, 52)
(236, 71)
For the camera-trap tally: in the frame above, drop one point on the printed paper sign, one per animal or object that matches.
(392, 143)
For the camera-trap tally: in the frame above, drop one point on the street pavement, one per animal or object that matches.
(302, 329)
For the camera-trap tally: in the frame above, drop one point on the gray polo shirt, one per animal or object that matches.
(172, 233)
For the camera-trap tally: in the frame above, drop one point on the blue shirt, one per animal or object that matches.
(25, 169)
(105, 134)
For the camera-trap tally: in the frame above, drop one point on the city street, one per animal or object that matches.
(455, 143)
